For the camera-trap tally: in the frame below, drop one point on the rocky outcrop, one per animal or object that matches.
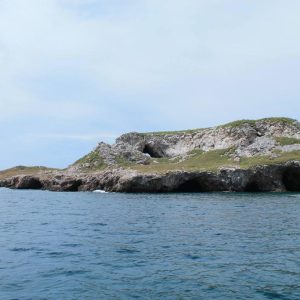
(273, 178)
(117, 167)
(245, 138)
(27, 182)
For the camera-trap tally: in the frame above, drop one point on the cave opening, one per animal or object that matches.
(31, 183)
(148, 149)
(72, 186)
(291, 179)
(252, 187)
(190, 186)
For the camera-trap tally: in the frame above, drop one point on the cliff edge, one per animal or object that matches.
(246, 155)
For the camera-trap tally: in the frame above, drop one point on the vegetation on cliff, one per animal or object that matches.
(242, 156)
(92, 161)
(233, 124)
(239, 144)
(23, 170)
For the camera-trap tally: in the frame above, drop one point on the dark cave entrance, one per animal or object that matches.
(148, 149)
(31, 183)
(190, 186)
(72, 186)
(252, 187)
(291, 179)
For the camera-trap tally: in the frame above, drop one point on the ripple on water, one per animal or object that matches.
(192, 256)
(127, 251)
(175, 246)
(62, 272)
(57, 254)
(273, 294)
(71, 245)
(22, 249)
(98, 224)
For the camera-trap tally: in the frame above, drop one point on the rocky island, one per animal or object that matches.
(242, 156)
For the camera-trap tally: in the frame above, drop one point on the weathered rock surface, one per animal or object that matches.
(275, 178)
(109, 167)
(246, 138)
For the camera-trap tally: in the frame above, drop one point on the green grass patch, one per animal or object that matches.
(23, 170)
(233, 124)
(282, 157)
(280, 120)
(283, 141)
(197, 160)
(91, 161)
(196, 152)
(212, 161)
(123, 162)
(188, 131)
(239, 123)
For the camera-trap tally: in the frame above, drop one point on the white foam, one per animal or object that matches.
(99, 191)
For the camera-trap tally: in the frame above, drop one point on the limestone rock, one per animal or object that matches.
(109, 167)
(275, 178)
(247, 138)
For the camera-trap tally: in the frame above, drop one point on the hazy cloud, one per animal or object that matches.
(116, 65)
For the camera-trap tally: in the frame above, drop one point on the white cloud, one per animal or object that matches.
(149, 64)
(154, 43)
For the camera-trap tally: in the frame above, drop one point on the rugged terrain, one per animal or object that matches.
(247, 155)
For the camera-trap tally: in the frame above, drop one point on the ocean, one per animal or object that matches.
(149, 246)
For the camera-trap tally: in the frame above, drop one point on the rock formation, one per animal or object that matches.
(251, 156)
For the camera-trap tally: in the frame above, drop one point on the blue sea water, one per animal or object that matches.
(149, 246)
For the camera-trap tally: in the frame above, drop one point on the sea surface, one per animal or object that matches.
(149, 246)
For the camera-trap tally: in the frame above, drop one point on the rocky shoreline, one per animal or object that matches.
(272, 178)
(242, 156)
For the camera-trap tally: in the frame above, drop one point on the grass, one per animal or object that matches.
(197, 160)
(188, 131)
(122, 161)
(233, 124)
(280, 120)
(267, 160)
(94, 161)
(283, 141)
(252, 122)
(237, 123)
(22, 170)
(211, 161)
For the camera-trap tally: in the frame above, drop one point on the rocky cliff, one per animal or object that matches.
(247, 155)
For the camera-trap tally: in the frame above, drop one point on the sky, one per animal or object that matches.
(76, 72)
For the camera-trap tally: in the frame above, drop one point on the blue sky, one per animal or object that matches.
(74, 72)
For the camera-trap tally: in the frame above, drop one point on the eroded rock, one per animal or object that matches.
(108, 167)
(272, 178)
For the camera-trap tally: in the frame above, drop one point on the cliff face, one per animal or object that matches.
(248, 139)
(268, 138)
(272, 178)
(260, 155)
